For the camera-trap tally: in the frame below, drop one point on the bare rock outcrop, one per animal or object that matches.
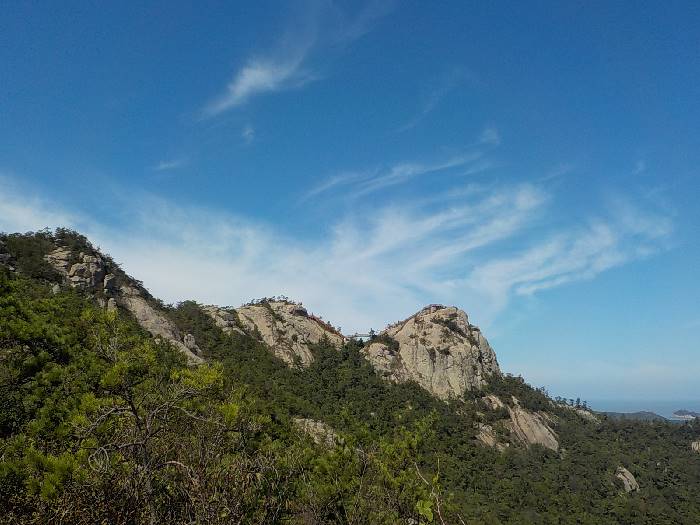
(85, 271)
(531, 428)
(525, 426)
(321, 433)
(486, 435)
(90, 272)
(628, 480)
(60, 259)
(585, 414)
(288, 329)
(155, 322)
(695, 445)
(224, 318)
(493, 402)
(438, 349)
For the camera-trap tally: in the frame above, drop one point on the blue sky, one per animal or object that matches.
(536, 165)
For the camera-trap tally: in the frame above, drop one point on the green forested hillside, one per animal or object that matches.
(100, 423)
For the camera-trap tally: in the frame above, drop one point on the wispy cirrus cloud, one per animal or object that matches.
(173, 164)
(448, 83)
(357, 184)
(578, 253)
(287, 66)
(260, 75)
(354, 184)
(484, 245)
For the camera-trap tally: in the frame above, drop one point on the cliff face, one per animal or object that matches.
(438, 349)
(92, 273)
(288, 329)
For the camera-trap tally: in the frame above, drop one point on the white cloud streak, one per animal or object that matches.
(167, 165)
(287, 66)
(358, 184)
(260, 75)
(477, 249)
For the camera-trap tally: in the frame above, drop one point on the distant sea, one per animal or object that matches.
(662, 408)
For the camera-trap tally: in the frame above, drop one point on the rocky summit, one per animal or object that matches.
(288, 329)
(438, 349)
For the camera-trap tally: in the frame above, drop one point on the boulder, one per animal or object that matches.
(288, 330)
(695, 445)
(487, 436)
(438, 349)
(628, 481)
(583, 413)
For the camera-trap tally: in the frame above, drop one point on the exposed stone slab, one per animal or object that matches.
(154, 321)
(628, 480)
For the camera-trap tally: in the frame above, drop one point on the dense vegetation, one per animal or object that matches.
(99, 423)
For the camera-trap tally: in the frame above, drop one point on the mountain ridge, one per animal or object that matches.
(433, 371)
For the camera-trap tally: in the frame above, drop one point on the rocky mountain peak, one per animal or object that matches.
(287, 328)
(437, 348)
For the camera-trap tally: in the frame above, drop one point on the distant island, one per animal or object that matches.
(635, 416)
(685, 414)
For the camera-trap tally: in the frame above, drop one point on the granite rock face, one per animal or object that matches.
(524, 426)
(90, 272)
(224, 318)
(288, 330)
(695, 445)
(83, 271)
(628, 481)
(531, 428)
(438, 349)
(155, 322)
